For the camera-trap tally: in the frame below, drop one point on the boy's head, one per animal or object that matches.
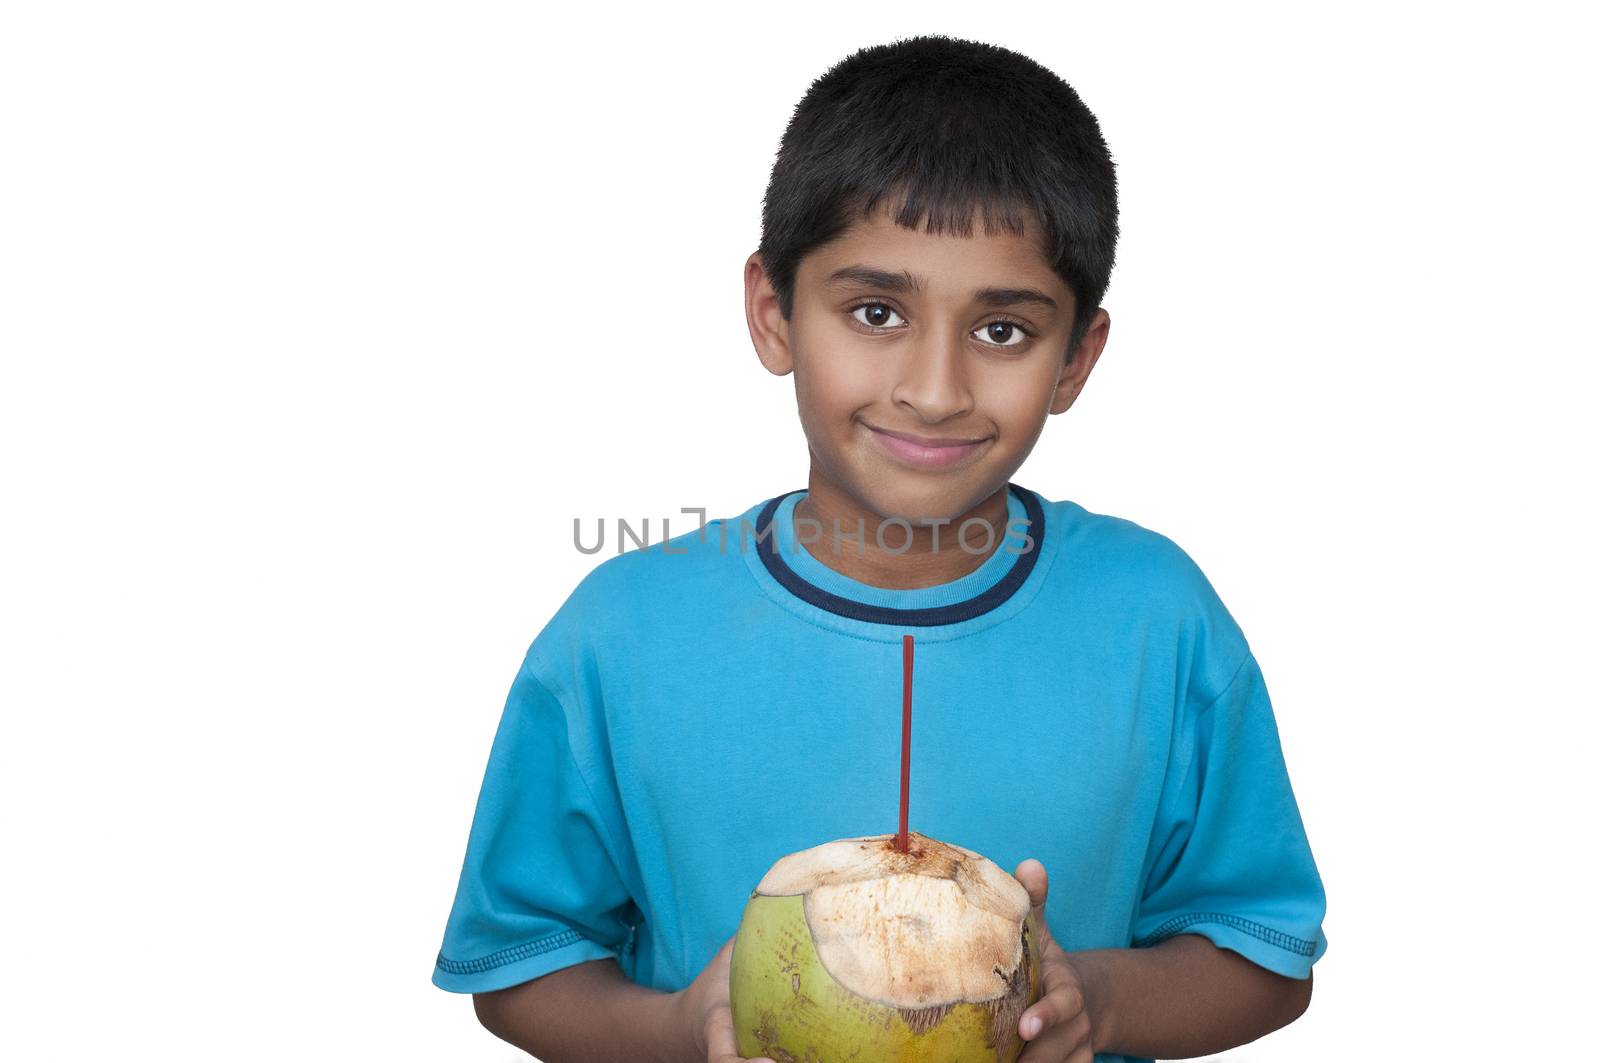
(937, 234)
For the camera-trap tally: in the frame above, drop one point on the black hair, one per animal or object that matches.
(944, 126)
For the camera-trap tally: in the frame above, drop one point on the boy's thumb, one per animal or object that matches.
(1035, 880)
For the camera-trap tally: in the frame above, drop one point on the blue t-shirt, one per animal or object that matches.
(697, 709)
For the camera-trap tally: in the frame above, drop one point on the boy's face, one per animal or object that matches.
(934, 337)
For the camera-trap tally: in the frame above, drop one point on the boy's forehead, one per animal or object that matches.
(948, 262)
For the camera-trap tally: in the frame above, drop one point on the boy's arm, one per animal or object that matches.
(589, 1013)
(1184, 997)
(593, 1013)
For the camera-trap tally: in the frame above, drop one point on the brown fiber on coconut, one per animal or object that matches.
(936, 925)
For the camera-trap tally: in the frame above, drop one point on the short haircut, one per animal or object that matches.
(944, 127)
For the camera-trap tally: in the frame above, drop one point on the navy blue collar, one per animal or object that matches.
(952, 613)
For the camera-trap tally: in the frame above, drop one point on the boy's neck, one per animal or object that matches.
(919, 564)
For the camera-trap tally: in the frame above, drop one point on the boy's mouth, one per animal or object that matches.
(927, 452)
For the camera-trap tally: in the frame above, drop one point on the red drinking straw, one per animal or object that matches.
(902, 841)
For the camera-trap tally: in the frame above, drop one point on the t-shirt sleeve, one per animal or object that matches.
(1230, 858)
(539, 888)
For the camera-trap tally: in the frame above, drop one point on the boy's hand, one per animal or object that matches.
(705, 1007)
(1057, 1027)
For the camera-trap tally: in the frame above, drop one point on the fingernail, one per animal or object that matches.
(1030, 1026)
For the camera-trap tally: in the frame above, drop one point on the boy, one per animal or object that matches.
(937, 236)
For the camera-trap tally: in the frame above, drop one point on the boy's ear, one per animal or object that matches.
(1076, 369)
(768, 330)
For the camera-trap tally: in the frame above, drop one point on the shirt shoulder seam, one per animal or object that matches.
(583, 777)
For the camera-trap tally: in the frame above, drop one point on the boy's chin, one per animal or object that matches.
(924, 500)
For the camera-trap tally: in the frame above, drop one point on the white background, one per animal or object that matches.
(321, 322)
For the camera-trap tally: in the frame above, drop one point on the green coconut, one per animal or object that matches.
(853, 950)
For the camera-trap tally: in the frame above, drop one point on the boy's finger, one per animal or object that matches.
(1064, 1043)
(1054, 1050)
(720, 1043)
(724, 955)
(1059, 1004)
(1036, 881)
(1032, 875)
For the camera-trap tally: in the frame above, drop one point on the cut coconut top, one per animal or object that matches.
(938, 924)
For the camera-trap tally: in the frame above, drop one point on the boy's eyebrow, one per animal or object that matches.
(873, 278)
(903, 281)
(1013, 296)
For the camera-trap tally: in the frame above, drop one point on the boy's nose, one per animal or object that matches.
(933, 378)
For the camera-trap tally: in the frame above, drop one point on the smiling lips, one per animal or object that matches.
(925, 452)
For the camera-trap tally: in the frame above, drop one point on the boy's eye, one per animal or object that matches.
(998, 333)
(877, 314)
(1004, 333)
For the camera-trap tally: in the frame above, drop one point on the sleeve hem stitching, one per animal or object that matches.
(511, 955)
(1277, 938)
